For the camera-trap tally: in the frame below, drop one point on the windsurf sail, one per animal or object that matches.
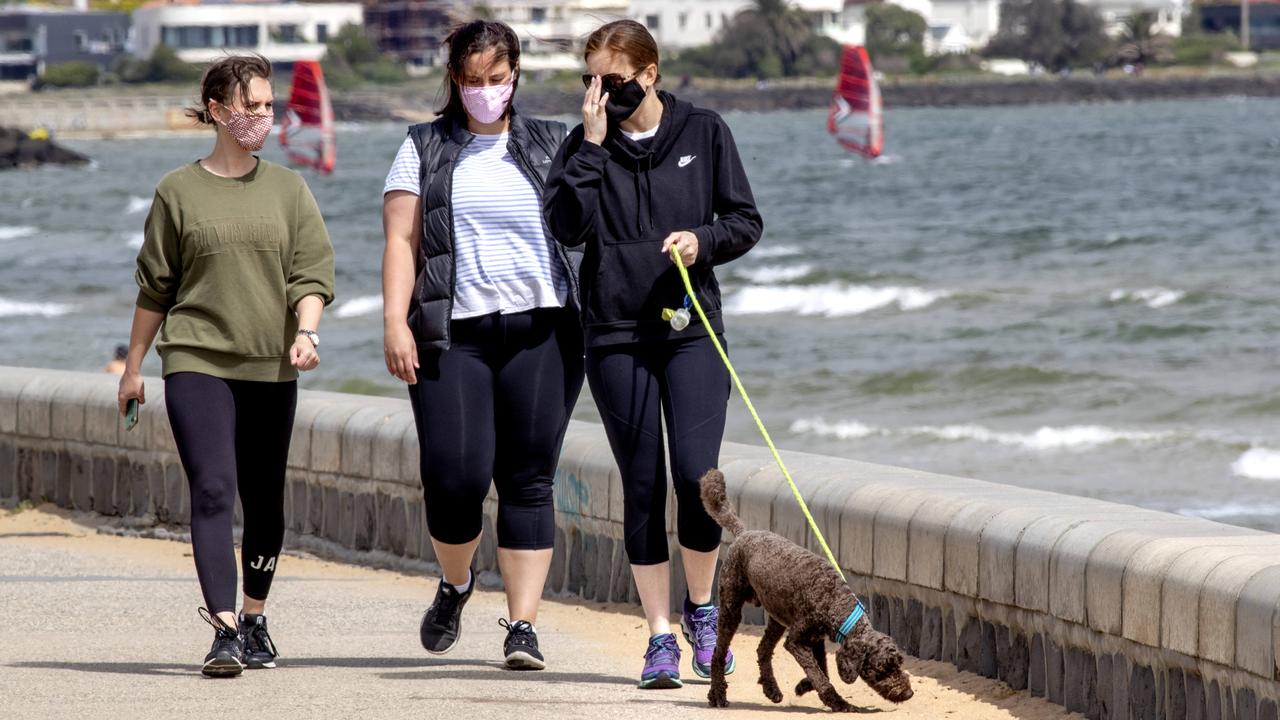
(306, 134)
(856, 119)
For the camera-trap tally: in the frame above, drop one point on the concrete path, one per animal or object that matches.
(100, 626)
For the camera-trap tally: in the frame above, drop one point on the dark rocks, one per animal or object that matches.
(19, 150)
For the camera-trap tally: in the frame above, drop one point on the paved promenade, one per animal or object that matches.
(100, 626)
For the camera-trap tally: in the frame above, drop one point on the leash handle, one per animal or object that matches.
(813, 525)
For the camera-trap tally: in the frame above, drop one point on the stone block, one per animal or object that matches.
(303, 418)
(949, 637)
(1013, 659)
(102, 423)
(414, 533)
(1143, 699)
(1036, 668)
(365, 521)
(24, 477)
(622, 585)
(604, 569)
(857, 527)
(1106, 708)
(1069, 562)
(1220, 599)
(410, 459)
(892, 532)
(880, 613)
(1175, 695)
(964, 535)
(969, 646)
(577, 578)
(1213, 701)
(10, 388)
(80, 476)
(1054, 672)
(332, 512)
(316, 513)
(1194, 698)
(1267, 709)
(931, 635)
(8, 467)
(1079, 680)
(388, 444)
(1121, 673)
(927, 540)
(897, 621)
(46, 477)
(395, 520)
(827, 505)
(997, 552)
(67, 411)
(1255, 633)
(357, 439)
(140, 497)
(1246, 704)
(987, 666)
(104, 484)
(326, 436)
(35, 416)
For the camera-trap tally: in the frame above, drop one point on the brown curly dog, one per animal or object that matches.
(808, 602)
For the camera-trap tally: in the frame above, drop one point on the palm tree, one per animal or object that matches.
(1139, 43)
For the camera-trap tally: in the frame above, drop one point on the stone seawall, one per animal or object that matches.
(1109, 610)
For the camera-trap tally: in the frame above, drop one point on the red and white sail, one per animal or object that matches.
(856, 118)
(306, 134)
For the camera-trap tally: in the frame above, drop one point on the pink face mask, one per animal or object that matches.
(250, 131)
(486, 103)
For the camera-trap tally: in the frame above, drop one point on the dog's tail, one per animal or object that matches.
(716, 501)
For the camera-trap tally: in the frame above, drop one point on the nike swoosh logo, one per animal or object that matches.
(686, 160)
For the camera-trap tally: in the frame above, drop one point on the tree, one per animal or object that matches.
(352, 58)
(1139, 43)
(894, 31)
(771, 39)
(1055, 34)
(70, 74)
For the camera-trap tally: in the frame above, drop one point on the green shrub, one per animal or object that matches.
(166, 67)
(1203, 48)
(70, 74)
(351, 58)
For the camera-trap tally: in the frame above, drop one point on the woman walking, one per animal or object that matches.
(481, 322)
(234, 273)
(644, 173)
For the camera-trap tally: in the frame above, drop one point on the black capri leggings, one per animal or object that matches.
(495, 406)
(634, 386)
(233, 434)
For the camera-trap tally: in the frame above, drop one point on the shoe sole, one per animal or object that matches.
(662, 682)
(260, 666)
(220, 668)
(524, 661)
(697, 669)
(423, 638)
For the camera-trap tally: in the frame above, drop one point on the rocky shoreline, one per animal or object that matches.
(19, 150)
(544, 100)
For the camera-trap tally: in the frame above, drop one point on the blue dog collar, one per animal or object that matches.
(847, 626)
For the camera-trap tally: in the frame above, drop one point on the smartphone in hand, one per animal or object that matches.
(131, 414)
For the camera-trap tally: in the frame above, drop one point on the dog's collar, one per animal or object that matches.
(847, 626)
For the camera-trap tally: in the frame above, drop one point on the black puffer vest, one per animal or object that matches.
(533, 144)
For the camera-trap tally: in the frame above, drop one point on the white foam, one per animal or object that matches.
(1153, 297)
(13, 232)
(775, 273)
(830, 299)
(137, 205)
(775, 251)
(1075, 437)
(359, 306)
(19, 308)
(1258, 464)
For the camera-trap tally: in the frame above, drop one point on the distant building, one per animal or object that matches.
(411, 30)
(1264, 22)
(1168, 14)
(201, 31)
(552, 31)
(946, 39)
(978, 19)
(679, 24)
(33, 38)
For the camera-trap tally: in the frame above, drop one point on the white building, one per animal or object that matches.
(946, 39)
(1168, 14)
(551, 31)
(978, 19)
(201, 32)
(679, 24)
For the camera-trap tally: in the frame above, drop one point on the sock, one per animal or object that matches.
(462, 589)
(690, 607)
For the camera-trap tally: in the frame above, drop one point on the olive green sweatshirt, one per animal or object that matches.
(227, 260)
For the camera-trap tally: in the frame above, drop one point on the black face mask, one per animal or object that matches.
(624, 102)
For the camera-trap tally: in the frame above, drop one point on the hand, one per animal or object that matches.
(684, 241)
(303, 354)
(401, 352)
(131, 387)
(595, 123)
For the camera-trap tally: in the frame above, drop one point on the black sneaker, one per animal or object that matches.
(521, 646)
(226, 657)
(442, 623)
(259, 651)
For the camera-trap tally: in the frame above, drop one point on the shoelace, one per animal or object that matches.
(445, 605)
(259, 635)
(662, 648)
(519, 632)
(223, 629)
(704, 626)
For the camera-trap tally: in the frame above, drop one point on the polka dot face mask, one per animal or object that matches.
(250, 131)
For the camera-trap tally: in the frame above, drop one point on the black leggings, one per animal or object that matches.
(495, 407)
(636, 385)
(233, 433)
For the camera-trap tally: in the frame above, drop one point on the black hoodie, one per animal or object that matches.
(624, 198)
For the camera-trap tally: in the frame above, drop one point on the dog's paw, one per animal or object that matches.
(771, 690)
(804, 686)
(839, 704)
(716, 698)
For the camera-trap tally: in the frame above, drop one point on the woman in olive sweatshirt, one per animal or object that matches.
(234, 273)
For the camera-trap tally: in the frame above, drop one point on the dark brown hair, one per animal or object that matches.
(223, 79)
(477, 36)
(627, 38)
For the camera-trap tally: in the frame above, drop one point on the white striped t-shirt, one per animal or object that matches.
(502, 252)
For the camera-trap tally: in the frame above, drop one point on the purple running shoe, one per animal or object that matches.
(699, 627)
(661, 664)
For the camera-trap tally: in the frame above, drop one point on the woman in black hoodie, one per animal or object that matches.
(645, 173)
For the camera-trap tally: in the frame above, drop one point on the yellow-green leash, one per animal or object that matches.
(688, 288)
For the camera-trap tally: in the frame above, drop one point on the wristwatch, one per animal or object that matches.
(312, 335)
